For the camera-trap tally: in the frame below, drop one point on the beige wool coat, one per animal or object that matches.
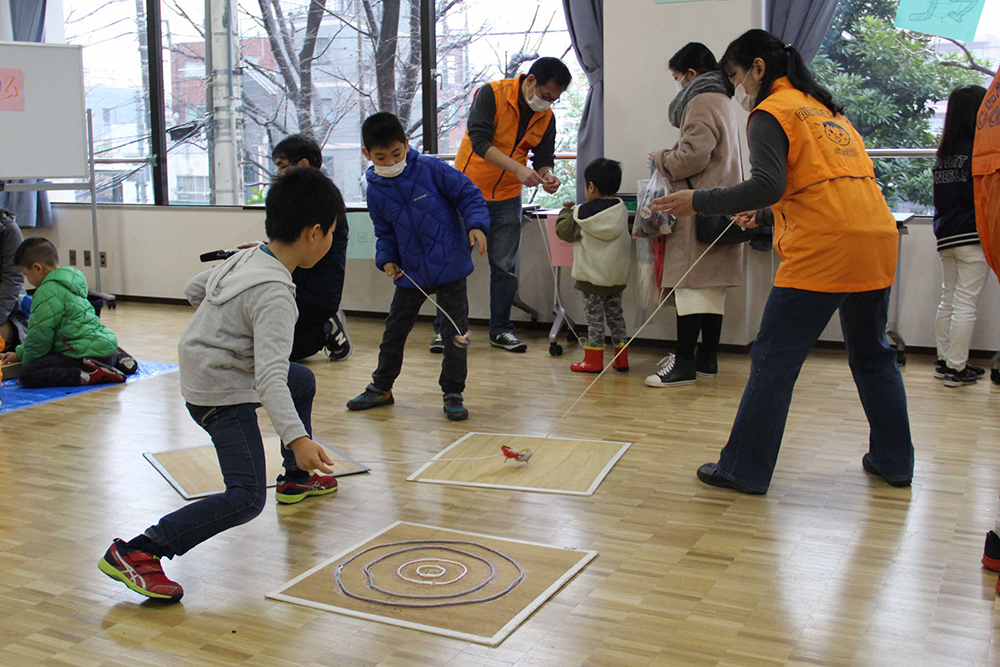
(707, 152)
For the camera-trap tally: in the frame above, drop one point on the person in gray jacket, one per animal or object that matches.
(12, 325)
(233, 357)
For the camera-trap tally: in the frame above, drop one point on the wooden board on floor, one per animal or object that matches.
(194, 471)
(10, 371)
(558, 465)
(545, 569)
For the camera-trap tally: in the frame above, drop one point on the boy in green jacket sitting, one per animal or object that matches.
(66, 344)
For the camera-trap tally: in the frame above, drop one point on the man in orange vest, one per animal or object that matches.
(508, 120)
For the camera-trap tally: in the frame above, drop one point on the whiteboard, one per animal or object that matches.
(48, 139)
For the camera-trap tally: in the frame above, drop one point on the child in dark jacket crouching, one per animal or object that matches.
(417, 205)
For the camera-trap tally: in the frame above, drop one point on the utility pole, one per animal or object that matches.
(222, 97)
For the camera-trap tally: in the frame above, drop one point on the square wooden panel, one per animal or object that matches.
(558, 465)
(544, 570)
(194, 471)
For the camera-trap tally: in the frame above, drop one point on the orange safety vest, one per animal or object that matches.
(986, 174)
(495, 183)
(833, 229)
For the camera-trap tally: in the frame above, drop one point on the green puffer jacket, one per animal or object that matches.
(62, 321)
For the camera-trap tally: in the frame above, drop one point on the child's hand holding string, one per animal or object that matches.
(477, 238)
(310, 455)
(392, 270)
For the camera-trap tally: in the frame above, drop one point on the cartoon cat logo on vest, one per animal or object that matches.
(836, 133)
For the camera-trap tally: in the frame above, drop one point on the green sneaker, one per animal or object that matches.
(372, 397)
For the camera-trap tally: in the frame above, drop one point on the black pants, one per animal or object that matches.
(55, 370)
(403, 314)
(319, 292)
(311, 331)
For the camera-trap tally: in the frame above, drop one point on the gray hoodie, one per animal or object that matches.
(235, 348)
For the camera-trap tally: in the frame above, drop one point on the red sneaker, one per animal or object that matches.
(98, 373)
(140, 571)
(289, 492)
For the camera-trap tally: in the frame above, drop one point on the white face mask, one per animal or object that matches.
(391, 171)
(679, 84)
(742, 97)
(537, 104)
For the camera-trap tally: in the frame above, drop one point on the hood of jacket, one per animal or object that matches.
(70, 278)
(242, 271)
(606, 224)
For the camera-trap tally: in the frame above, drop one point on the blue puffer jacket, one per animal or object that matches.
(416, 220)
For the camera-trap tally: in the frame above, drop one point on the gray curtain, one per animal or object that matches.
(585, 20)
(27, 18)
(801, 23)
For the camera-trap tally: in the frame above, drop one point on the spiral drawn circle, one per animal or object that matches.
(428, 571)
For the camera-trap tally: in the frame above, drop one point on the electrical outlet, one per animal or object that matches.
(86, 258)
(104, 260)
(72, 257)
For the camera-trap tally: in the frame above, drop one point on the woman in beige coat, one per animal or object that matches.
(706, 156)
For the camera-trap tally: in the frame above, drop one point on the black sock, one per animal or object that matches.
(296, 475)
(143, 543)
(688, 328)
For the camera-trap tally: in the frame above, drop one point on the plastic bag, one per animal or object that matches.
(649, 223)
(645, 273)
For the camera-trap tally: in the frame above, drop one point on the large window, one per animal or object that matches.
(298, 66)
(117, 88)
(894, 86)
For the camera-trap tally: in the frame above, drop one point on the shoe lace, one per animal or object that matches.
(667, 365)
(508, 338)
(669, 359)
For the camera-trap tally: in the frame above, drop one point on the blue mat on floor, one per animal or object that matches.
(14, 396)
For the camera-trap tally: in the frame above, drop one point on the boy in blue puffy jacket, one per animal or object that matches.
(417, 205)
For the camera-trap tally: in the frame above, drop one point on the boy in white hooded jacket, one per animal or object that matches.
(601, 255)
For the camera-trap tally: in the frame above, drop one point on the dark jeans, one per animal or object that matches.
(403, 314)
(793, 321)
(240, 449)
(502, 245)
(56, 370)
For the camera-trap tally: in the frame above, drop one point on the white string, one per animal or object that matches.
(436, 305)
(638, 331)
(471, 458)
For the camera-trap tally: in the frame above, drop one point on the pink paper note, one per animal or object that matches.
(562, 252)
(11, 89)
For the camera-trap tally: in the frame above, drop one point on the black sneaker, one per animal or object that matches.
(706, 365)
(125, 362)
(437, 344)
(995, 376)
(674, 372)
(338, 343)
(371, 397)
(962, 378)
(869, 466)
(940, 369)
(507, 341)
(454, 408)
(978, 370)
(991, 552)
(709, 474)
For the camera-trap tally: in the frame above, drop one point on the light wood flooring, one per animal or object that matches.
(831, 567)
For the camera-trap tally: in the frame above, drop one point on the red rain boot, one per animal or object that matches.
(593, 361)
(620, 363)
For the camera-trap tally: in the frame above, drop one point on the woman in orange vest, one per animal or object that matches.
(813, 181)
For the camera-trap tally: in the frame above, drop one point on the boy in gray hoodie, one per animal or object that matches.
(233, 358)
